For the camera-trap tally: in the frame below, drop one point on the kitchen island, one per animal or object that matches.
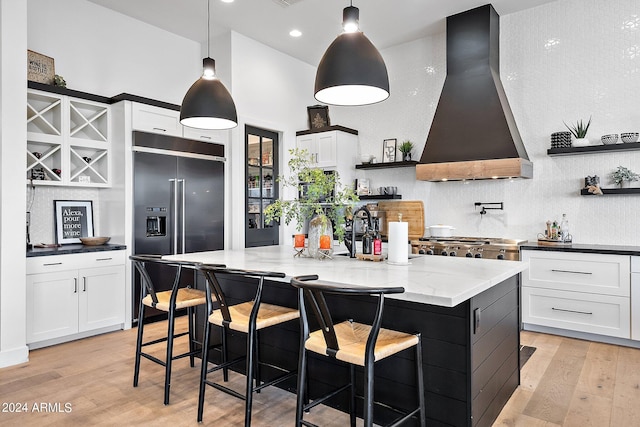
(467, 310)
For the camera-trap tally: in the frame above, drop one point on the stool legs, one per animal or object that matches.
(352, 397)
(423, 415)
(136, 369)
(367, 410)
(167, 375)
(302, 389)
(205, 362)
(251, 362)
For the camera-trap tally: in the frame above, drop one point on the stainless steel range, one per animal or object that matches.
(470, 247)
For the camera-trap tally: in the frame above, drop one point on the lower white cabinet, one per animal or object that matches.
(635, 298)
(574, 291)
(71, 301)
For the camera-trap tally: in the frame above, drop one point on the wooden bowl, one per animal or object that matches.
(94, 241)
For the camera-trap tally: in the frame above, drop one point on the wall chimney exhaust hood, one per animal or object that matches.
(474, 134)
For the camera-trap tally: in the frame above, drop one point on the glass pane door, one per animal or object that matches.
(261, 191)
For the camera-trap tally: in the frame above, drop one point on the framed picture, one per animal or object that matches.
(40, 68)
(362, 186)
(318, 116)
(74, 219)
(389, 150)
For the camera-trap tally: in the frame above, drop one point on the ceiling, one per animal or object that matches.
(385, 22)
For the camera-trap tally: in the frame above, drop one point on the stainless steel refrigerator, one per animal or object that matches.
(178, 202)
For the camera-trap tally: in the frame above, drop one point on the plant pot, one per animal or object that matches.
(320, 237)
(580, 142)
(406, 157)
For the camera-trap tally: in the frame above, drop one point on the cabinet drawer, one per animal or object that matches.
(598, 314)
(205, 135)
(156, 120)
(582, 272)
(46, 264)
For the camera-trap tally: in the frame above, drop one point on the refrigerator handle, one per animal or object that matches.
(182, 213)
(174, 231)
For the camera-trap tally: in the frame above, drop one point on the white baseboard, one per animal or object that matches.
(15, 356)
(581, 335)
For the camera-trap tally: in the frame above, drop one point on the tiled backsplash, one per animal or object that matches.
(562, 61)
(40, 203)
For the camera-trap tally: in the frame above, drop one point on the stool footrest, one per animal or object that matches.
(319, 400)
(226, 364)
(153, 359)
(275, 380)
(226, 389)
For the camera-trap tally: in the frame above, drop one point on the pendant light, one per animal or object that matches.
(208, 104)
(351, 71)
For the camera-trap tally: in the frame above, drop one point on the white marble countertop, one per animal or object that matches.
(437, 280)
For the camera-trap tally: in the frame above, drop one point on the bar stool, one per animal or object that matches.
(353, 343)
(247, 317)
(170, 302)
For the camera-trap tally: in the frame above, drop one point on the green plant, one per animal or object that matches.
(406, 147)
(622, 174)
(319, 193)
(579, 130)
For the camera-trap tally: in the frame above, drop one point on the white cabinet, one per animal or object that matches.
(635, 298)
(583, 292)
(68, 140)
(323, 147)
(69, 296)
(205, 135)
(149, 118)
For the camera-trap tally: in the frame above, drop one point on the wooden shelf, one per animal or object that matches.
(381, 197)
(585, 192)
(593, 149)
(389, 165)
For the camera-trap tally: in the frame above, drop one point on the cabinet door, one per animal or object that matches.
(307, 142)
(101, 297)
(156, 120)
(52, 305)
(326, 149)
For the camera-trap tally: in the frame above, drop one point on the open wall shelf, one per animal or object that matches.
(388, 165)
(593, 149)
(585, 192)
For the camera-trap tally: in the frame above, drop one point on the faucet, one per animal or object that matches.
(350, 242)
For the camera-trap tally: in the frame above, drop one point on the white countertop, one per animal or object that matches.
(429, 279)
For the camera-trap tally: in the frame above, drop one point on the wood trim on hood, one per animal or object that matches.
(475, 169)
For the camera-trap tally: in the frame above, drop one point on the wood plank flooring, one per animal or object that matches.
(566, 382)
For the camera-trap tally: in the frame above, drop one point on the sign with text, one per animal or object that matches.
(74, 219)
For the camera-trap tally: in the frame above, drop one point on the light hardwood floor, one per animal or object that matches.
(565, 383)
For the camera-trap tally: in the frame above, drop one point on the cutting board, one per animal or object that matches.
(412, 212)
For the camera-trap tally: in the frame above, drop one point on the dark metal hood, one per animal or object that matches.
(474, 134)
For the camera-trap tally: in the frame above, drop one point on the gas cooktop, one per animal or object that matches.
(471, 247)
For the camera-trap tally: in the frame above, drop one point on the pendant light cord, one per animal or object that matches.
(208, 27)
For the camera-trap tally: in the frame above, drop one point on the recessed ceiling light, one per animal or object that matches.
(227, 1)
(295, 33)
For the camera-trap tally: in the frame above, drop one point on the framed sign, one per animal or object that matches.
(318, 116)
(40, 68)
(389, 150)
(74, 219)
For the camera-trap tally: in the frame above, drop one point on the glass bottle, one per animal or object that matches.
(377, 240)
(564, 228)
(367, 241)
(554, 230)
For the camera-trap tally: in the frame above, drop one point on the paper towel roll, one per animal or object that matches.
(398, 243)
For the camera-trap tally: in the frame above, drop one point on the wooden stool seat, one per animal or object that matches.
(268, 315)
(187, 297)
(352, 340)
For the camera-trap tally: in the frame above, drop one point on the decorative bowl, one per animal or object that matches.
(629, 136)
(94, 241)
(365, 159)
(609, 139)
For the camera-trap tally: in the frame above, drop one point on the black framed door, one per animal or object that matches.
(261, 171)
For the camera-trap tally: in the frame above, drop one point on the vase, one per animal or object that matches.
(320, 237)
(407, 157)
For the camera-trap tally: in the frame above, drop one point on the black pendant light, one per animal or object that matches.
(208, 104)
(351, 71)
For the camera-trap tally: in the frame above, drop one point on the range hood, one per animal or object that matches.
(474, 134)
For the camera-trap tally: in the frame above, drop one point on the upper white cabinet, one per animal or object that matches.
(68, 140)
(149, 118)
(324, 146)
(164, 121)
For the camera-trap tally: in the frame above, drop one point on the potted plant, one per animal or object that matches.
(579, 131)
(622, 176)
(405, 148)
(322, 199)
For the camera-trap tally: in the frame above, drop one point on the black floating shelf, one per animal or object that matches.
(593, 149)
(388, 165)
(381, 197)
(585, 192)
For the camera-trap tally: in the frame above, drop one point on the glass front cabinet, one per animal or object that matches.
(261, 188)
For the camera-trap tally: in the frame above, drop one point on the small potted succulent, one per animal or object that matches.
(405, 148)
(623, 176)
(579, 131)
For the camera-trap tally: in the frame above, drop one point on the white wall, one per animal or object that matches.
(13, 131)
(271, 91)
(561, 61)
